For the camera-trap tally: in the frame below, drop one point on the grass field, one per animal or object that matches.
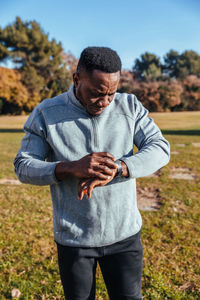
(170, 235)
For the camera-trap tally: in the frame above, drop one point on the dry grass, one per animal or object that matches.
(177, 120)
(170, 235)
(15, 122)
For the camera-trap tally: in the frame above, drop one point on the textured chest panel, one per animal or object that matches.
(71, 139)
(74, 138)
(116, 134)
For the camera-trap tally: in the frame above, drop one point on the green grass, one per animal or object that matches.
(170, 236)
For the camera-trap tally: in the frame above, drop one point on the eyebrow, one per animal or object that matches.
(101, 92)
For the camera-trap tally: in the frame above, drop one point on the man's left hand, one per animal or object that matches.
(86, 186)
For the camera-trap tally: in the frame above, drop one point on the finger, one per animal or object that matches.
(80, 194)
(98, 175)
(106, 161)
(84, 192)
(81, 186)
(91, 187)
(106, 170)
(105, 154)
(96, 182)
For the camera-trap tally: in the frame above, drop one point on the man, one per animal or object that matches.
(81, 144)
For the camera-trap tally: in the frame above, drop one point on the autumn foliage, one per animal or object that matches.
(43, 70)
(13, 94)
(164, 95)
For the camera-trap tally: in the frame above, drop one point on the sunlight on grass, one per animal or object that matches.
(177, 120)
(170, 235)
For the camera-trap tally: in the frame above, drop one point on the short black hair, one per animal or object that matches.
(99, 58)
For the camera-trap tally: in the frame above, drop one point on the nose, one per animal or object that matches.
(103, 102)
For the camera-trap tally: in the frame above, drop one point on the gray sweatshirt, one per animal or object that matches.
(60, 129)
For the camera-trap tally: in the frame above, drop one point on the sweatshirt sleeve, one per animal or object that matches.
(153, 149)
(30, 163)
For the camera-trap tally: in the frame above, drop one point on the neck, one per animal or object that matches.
(75, 93)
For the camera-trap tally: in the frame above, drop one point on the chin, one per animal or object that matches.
(95, 112)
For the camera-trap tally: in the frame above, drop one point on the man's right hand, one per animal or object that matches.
(95, 165)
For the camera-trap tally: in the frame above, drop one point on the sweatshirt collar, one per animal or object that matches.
(73, 98)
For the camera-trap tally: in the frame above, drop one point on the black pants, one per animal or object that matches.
(120, 263)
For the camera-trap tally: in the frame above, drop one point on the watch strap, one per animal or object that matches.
(119, 170)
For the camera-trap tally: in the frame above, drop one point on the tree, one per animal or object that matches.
(70, 60)
(148, 67)
(181, 65)
(39, 60)
(170, 63)
(13, 94)
(126, 82)
(188, 64)
(191, 95)
(170, 94)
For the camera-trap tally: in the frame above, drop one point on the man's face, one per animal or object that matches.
(95, 90)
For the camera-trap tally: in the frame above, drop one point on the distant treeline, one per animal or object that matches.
(43, 70)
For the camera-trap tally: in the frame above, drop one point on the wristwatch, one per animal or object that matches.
(119, 169)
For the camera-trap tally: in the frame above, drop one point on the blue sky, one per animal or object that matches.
(130, 27)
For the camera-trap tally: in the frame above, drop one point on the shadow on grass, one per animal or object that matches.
(170, 132)
(7, 130)
(181, 132)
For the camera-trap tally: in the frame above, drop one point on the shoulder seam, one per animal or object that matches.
(54, 104)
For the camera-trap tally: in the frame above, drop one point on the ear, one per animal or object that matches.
(76, 79)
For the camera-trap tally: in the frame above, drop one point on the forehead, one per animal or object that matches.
(101, 80)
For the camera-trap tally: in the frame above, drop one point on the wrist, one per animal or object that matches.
(122, 169)
(63, 170)
(118, 162)
(125, 172)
